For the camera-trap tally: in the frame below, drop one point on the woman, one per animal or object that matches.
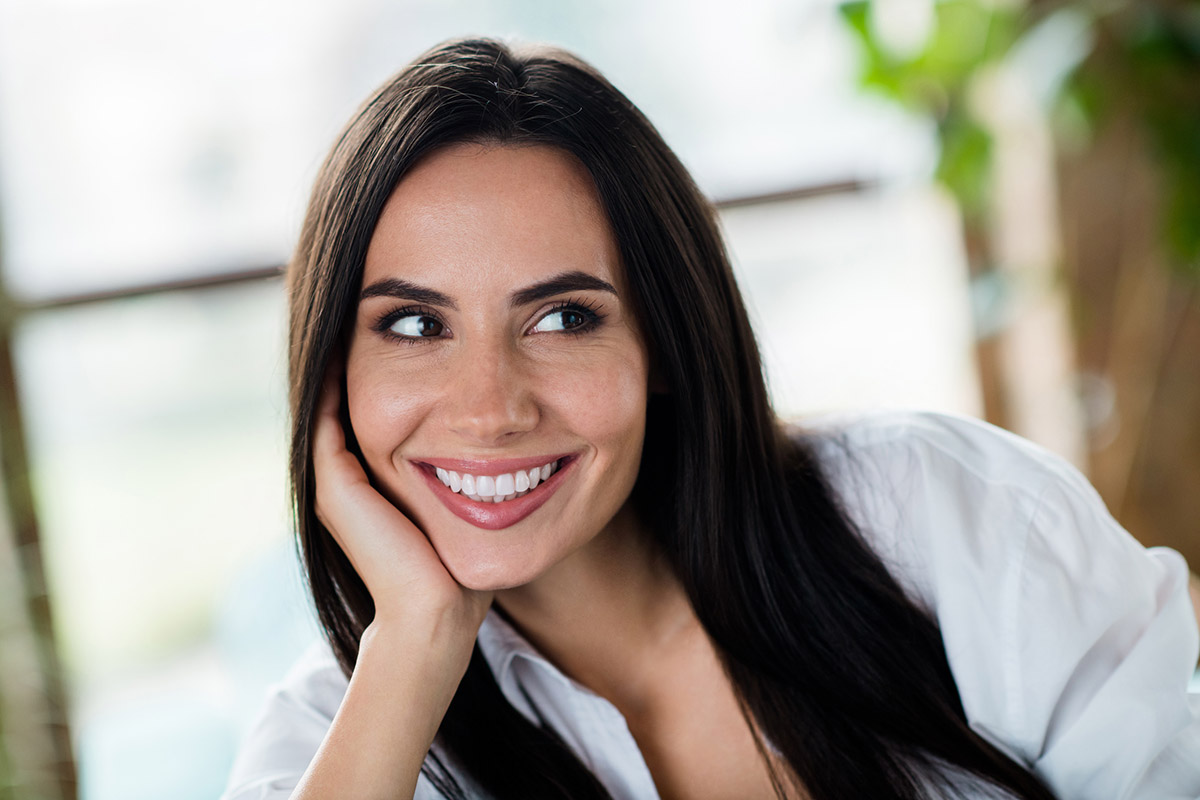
(560, 546)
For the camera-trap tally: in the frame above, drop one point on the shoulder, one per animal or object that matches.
(1071, 644)
(929, 489)
(949, 496)
(314, 685)
(289, 727)
(941, 442)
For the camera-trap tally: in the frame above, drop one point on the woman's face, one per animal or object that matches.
(495, 350)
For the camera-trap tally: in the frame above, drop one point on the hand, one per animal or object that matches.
(412, 656)
(406, 578)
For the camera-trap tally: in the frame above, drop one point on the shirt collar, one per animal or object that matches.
(502, 645)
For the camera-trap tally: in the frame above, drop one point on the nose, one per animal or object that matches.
(489, 400)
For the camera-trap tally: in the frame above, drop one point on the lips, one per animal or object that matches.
(485, 512)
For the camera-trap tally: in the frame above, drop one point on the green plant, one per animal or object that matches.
(1139, 58)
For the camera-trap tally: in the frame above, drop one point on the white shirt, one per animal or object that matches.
(1072, 646)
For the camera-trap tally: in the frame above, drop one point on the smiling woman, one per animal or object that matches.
(561, 547)
(491, 340)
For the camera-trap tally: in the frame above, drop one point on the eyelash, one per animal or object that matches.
(383, 324)
(590, 311)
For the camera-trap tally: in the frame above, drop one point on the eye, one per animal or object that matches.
(416, 326)
(564, 319)
(568, 317)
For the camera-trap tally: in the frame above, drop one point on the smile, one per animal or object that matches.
(495, 494)
(496, 488)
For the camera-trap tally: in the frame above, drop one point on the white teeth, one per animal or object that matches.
(497, 488)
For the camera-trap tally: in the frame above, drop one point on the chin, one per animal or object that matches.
(483, 574)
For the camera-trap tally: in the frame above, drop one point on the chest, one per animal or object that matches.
(703, 748)
(692, 741)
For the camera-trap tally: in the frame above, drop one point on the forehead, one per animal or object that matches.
(496, 211)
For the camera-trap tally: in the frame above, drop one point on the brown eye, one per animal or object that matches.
(563, 319)
(416, 326)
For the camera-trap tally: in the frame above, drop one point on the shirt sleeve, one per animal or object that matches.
(1071, 644)
(289, 729)
(1103, 646)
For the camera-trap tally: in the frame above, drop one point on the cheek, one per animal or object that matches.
(384, 408)
(605, 401)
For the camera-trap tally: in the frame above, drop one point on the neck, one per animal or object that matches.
(609, 615)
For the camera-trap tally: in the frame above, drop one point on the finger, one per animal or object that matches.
(328, 437)
(334, 467)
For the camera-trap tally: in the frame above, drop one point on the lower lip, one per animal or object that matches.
(495, 516)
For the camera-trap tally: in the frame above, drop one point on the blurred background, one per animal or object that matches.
(991, 208)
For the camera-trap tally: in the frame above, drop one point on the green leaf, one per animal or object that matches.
(966, 163)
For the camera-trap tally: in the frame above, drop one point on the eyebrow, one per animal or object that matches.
(574, 281)
(407, 290)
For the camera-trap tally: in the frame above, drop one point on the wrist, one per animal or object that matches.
(439, 636)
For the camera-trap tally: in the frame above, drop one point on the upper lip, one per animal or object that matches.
(491, 466)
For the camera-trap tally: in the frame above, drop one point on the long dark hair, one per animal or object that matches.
(836, 669)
